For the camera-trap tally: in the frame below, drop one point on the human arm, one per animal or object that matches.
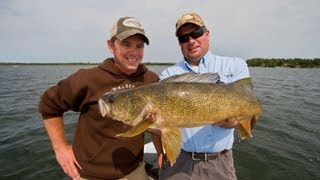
(156, 139)
(63, 151)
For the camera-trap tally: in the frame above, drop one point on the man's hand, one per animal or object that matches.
(64, 152)
(67, 161)
(156, 139)
(227, 123)
(161, 159)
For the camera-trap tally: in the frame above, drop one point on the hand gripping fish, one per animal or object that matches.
(182, 101)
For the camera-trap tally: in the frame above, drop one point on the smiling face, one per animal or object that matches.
(128, 53)
(195, 48)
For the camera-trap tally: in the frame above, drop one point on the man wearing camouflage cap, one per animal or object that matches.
(207, 150)
(96, 153)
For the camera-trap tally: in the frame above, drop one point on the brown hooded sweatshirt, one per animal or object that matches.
(100, 154)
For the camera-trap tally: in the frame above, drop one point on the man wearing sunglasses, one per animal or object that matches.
(207, 150)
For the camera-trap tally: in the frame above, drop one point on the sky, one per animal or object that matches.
(64, 31)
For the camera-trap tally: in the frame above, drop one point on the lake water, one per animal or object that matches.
(285, 143)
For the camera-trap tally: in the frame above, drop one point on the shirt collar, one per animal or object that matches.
(204, 62)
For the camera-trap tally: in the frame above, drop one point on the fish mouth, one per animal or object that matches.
(103, 107)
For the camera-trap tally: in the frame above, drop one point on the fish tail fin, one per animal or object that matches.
(138, 129)
(171, 140)
(246, 126)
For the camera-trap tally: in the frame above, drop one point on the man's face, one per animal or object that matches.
(128, 53)
(193, 49)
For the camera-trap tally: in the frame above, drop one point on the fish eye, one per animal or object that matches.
(111, 98)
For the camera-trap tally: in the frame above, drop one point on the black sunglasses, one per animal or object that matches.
(194, 34)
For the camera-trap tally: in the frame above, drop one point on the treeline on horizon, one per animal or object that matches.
(291, 63)
(253, 62)
(76, 63)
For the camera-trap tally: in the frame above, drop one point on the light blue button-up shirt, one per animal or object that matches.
(210, 139)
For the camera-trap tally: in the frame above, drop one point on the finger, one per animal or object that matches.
(71, 170)
(76, 162)
(220, 123)
(76, 177)
(160, 163)
(64, 168)
(67, 170)
(161, 160)
(233, 121)
(74, 172)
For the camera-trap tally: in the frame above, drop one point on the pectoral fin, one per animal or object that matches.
(139, 128)
(171, 140)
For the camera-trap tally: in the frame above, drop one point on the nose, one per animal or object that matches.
(134, 52)
(191, 40)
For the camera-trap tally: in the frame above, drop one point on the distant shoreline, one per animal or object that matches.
(74, 63)
(254, 62)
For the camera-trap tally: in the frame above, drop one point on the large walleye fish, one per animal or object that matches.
(182, 101)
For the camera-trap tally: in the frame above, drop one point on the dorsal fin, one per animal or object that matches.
(194, 77)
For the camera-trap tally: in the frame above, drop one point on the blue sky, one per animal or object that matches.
(76, 30)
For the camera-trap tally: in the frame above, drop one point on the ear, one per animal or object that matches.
(208, 32)
(110, 46)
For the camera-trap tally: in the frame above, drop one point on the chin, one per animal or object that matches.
(132, 68)
(133, 65)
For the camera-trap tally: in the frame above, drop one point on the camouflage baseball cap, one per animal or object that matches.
(127, 26)
(189, 18)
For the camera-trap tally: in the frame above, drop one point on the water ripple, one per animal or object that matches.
(285, 143)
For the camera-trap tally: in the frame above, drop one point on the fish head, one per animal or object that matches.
(123, 106)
